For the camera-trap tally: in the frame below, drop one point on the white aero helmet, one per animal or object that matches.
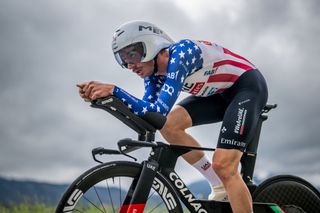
(138, 41)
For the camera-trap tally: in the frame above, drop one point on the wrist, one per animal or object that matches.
(115, 89)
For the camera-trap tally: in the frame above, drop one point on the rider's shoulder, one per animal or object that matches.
(181, 44)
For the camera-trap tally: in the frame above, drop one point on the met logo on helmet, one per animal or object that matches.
(150, 28)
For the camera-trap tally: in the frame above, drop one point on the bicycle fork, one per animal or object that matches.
(139, 190)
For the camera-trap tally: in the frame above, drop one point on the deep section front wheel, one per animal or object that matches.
(291, 193)
(104, 188)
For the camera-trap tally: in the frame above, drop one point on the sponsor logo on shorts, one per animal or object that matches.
(232, 142)
(241, 118)
(223, 129)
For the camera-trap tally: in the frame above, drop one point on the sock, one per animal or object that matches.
(205, 168)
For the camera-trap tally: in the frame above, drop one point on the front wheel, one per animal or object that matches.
(291, 193)
(104, 189)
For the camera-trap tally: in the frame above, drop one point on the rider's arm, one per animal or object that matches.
(184, 58)
(152, 85)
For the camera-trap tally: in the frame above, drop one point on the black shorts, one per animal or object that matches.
(238, 108)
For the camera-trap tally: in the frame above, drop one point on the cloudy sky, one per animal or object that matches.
(47, 47)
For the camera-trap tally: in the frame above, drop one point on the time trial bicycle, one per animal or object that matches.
(154, 186)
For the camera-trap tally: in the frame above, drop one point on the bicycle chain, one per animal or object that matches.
(293, 209)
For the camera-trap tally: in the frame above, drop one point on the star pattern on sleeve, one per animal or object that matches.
(188, 53)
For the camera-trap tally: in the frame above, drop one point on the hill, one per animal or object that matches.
(14, 191)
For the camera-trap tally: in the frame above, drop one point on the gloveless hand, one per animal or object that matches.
(92, 90)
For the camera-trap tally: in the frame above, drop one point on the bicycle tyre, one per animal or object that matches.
(85, 185)
(293, 194)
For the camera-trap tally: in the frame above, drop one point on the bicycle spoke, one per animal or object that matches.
(120, 191)
(93, 204)
(155, 207)
(110, 196)
(99, 199)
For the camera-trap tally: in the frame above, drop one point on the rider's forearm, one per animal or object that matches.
(139, 107)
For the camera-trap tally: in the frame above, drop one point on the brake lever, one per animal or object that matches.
(101, 151)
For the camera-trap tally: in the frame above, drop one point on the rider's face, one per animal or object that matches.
(142, 69)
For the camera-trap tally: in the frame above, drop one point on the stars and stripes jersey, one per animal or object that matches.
(200, 68)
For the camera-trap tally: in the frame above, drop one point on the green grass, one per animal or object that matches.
(26, 208)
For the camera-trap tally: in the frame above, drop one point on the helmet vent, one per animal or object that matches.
(120, 33)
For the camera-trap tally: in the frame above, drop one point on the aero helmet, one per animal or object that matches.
(138, 41)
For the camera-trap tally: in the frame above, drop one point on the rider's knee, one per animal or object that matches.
(176, 121)
(225, 170)
(170, 128)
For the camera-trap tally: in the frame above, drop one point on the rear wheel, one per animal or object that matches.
(291, 193)
(105, 187)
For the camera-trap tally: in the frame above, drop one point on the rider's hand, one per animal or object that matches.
(92, 90)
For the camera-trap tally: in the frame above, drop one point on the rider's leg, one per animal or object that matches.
(248, 96)
(225, 163)
(178, 120)
(173, 131)
(192, 111)
(238, 125)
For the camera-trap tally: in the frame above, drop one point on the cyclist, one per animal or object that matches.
(223, 86)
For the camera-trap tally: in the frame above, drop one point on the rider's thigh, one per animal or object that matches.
(226, 161)
(177, 119)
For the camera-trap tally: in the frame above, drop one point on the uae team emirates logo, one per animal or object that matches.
(241, 118)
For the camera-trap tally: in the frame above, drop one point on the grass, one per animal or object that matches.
(26, 208)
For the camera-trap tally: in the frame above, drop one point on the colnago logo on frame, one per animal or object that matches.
(163, 191)
(186, 193)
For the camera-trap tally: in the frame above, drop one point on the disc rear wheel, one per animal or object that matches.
(291, 193)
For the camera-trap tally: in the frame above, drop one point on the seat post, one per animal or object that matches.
(248, 159)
